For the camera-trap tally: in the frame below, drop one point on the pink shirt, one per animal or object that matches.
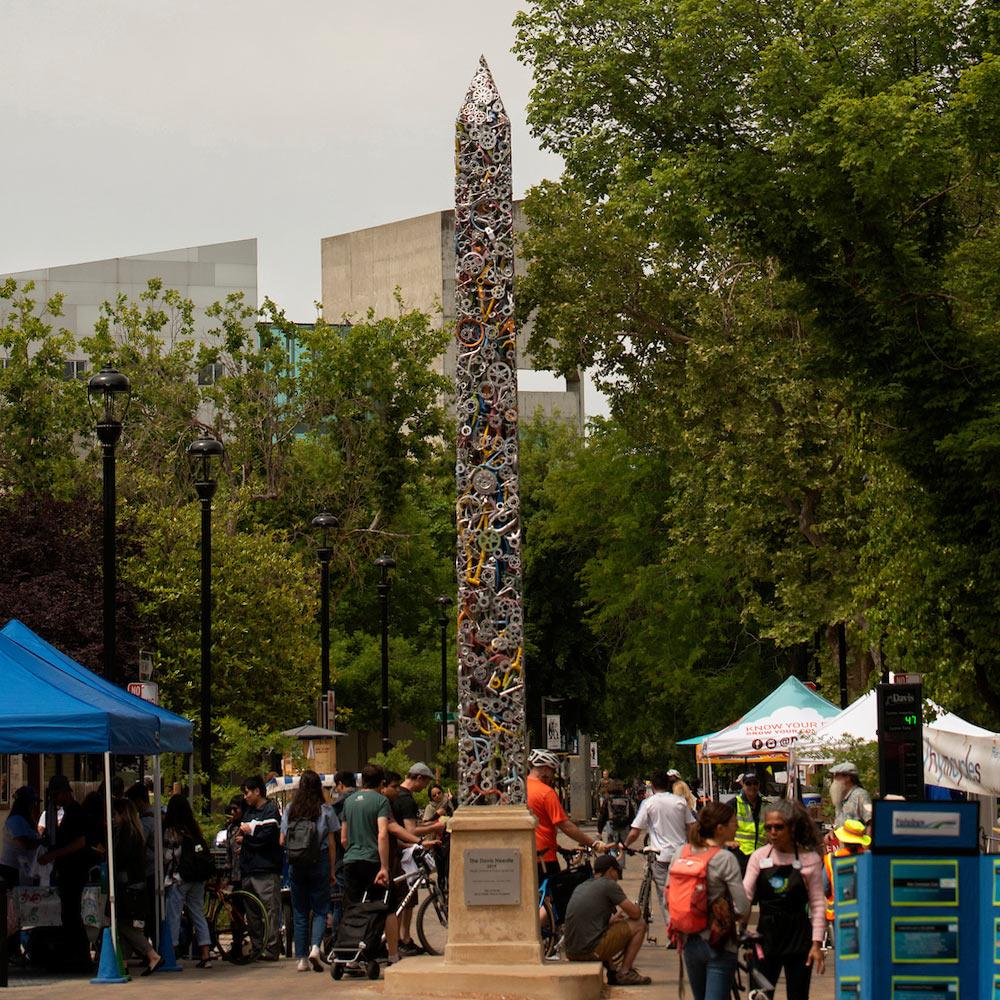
(812, 873)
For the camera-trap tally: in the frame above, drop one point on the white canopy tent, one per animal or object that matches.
(957, 754)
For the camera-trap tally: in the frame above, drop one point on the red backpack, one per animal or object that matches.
(687, 892)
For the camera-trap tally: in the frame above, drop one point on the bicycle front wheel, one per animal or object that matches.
(230, 925)
(432, 924)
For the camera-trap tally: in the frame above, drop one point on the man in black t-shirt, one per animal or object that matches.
(70, 860)
(406, 813)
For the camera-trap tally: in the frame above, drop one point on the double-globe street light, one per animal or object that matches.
(203, 453)
(444, 603)
(108, 395)
(324, 523)
(384, 564)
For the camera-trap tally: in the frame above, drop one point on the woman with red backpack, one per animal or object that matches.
(704, 879)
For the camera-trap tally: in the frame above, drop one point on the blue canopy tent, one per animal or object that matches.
(54, 705)
(174, 731)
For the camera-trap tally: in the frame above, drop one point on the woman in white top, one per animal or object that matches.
(710, 969)
(785, 878)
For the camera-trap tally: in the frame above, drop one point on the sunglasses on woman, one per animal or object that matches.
(774, 826)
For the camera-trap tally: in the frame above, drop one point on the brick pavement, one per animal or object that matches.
(226, 982)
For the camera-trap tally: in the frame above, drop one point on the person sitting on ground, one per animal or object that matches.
(603, 925)
(544, 803)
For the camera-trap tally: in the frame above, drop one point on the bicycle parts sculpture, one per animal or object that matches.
(490, 648)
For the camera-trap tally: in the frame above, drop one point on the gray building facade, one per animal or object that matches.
(204, 274)
(362, 269)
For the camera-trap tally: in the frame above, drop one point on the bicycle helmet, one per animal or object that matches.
(543, 758)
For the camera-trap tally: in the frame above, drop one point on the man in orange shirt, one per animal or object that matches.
(544, 803)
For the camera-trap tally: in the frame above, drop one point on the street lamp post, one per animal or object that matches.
(324, 523)
(108, 394)
(385, 563)
(203, 453)
(444, 603)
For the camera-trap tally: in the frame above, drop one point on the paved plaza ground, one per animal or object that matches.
(226, 982)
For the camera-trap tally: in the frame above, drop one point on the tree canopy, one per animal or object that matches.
(774, 241)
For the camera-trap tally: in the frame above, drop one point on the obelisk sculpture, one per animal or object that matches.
(493, 940)
(490, 638)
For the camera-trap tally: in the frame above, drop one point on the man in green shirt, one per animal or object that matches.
(364, 835)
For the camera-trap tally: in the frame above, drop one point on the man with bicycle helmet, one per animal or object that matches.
(544, 803)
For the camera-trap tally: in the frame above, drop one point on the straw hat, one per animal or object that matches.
(853, 832)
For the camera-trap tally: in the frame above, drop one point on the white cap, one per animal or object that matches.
(847, 767)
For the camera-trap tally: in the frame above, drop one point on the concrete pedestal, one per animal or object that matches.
(493, 950)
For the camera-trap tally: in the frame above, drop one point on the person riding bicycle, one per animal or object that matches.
(616, 815)
(545, 804)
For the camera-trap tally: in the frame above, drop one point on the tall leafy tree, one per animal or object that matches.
(850, 149)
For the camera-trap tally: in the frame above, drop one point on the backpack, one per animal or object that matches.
(618, 810)
(687, 892)
(196, 863)
(302, 841)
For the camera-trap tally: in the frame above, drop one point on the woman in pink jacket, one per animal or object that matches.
(785, 878)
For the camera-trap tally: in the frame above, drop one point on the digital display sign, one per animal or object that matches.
(924, 883)
(924, 940)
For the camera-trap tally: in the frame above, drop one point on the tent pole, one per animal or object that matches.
(158, 852)
(111, 853)
(191, 780)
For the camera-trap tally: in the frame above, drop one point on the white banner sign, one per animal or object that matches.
(593, 755)
(553, 732)
(965, 762)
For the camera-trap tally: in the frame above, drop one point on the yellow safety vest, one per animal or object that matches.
(749, 835)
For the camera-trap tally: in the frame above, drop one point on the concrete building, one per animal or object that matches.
(362, 270)
(203, 274)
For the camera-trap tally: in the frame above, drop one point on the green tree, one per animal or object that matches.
(849, 148)
(42, 413)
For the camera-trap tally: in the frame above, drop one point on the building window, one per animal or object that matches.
(74, 369)
(210, 374)
(4, 364)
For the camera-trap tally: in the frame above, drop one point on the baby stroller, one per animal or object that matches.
(360, 942)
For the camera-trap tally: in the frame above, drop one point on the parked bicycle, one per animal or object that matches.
(230, 914)
(554, 894)
(646, 889)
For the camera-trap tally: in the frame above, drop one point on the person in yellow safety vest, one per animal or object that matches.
(749, 819)
(852, 840)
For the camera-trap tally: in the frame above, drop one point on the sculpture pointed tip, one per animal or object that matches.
(482, 87)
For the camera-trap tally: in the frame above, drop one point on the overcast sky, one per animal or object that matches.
(131, 127)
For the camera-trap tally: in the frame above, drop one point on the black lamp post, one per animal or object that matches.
(385, 563)
(203, 453)
(108, 394)
(444, 603)
(324, 523)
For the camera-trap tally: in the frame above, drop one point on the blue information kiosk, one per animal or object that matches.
(918, 918)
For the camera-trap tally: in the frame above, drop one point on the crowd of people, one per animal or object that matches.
(748, 852)
(327, 852)
(744, 853)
